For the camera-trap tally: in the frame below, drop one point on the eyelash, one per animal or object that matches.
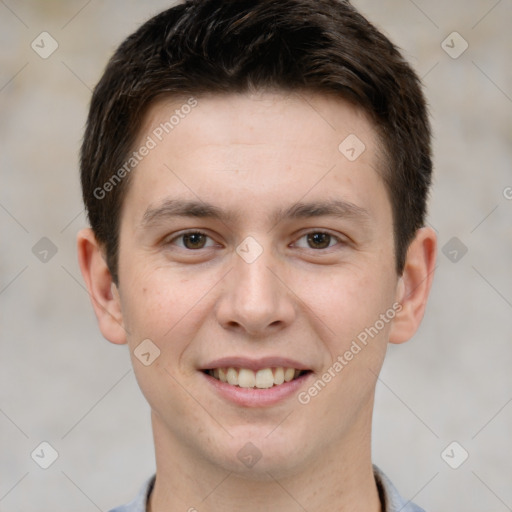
(316, 231)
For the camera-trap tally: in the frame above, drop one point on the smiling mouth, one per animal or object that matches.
(262, 379)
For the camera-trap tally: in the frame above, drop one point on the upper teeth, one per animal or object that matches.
(262, 379)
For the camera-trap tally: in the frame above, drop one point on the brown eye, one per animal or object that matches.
(191, 240)
(319, 240)
(194, 240)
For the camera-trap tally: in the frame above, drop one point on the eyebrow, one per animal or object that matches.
(170, 208)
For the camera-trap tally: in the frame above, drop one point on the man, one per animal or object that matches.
(256, 176)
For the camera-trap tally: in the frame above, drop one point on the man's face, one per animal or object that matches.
(270, 282)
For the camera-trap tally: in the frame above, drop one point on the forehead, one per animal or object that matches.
(266, 145)
(305, 117)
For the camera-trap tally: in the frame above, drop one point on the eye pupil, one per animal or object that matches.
(323, 239)
(195, 239)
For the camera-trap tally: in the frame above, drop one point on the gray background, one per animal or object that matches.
(61, 382)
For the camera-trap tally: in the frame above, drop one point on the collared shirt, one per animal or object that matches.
(389, 497)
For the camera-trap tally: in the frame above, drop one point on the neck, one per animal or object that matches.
(339, 479)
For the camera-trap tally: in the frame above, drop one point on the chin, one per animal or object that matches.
(261, 453)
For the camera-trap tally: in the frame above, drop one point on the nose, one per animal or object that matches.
(255, 298)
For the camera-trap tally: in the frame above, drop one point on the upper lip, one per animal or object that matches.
(255, 364)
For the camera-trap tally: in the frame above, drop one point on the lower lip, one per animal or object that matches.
(254, 397)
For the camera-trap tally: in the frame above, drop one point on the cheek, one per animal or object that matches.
(346, 301)
(351, 306)
(156, 307)
(152, 304)
(166, 307)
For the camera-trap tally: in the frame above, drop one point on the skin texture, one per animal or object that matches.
(254, 154)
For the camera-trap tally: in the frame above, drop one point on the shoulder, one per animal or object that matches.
(390, 497)
(140, 502)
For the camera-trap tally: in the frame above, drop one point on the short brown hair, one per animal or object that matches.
(232, 46)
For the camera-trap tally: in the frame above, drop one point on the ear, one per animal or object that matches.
(414, 285)
(102, 290)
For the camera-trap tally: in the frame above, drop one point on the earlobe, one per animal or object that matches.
(102, 290)
(414, 285)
